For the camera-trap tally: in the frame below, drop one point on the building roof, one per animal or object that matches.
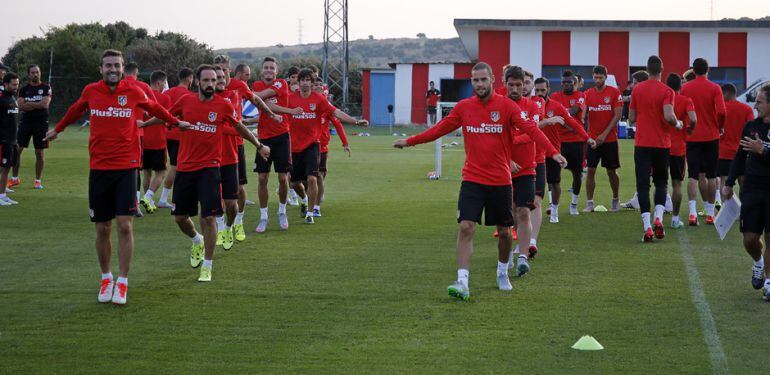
(602, 24)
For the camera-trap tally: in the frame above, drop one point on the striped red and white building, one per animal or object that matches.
(737, 51)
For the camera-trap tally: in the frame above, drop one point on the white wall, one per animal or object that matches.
(437, 72)
(403, 110)
(758, 55)
(526, 50)
(641, 45)
(587, 51)
(704, 44)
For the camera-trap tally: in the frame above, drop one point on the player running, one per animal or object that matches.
(488, 121)
(9, 126)
(685, 113)
(604, 106)
(154, 146)
(305, 133)
(571, 146)
(703, 143)
(737, 115)
(652, 110)
(130, 75)
(186, 76)
(115, 153)
(752, 161)
(34, 100)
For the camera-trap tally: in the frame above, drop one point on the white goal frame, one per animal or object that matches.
(440, 106)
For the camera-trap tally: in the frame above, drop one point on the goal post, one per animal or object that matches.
(442, 109)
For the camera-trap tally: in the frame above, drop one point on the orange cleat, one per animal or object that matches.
(514, 234)
(13, 182)
(496, 234)
(648, 235)
(709, 220)
(693, 220)
(38, 185)
(532, 251)
(659, 232)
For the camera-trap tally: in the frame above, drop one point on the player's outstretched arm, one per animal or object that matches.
(445, 126)
(280, 109)
(344, 117)
(257, 101)
(73, 114)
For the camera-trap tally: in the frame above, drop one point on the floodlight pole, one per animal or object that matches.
(336, 55)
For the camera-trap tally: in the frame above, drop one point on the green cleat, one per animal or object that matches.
(459, 290)
(205, 274)
(240, 234)
(196, 255)
(148, 205)
(227, 241)
(677, 225)
(220, 237)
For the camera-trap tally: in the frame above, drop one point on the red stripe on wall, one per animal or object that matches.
(495, 50)
(732, 50)
(556, 47)
(463, 71)
(365, 104)
(613, 54)
(419, 88)
(674, 50)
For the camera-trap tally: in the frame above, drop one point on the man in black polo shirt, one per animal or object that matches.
(34, 100)
(9, 123)
(753, 162)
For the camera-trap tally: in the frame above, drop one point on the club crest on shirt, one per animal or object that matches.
(40, 92)
(122, 100)
(212, 116)
(495, 115)
(550, 113)
(606, 99)
(539, 104)
(312, 106)
(572, 102)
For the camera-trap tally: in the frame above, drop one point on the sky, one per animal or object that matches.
(256, 23)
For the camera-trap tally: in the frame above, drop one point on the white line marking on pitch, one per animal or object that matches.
(710, 334)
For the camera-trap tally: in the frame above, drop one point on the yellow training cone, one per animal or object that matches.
(587, 343)
(600, 208)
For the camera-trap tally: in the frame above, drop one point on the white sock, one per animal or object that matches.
(693, 208)
(659, 210)
(107, 275)
(575, 198)
(462, 276)
(164, 195)
(263, 213)
(197, 239)
(149, 194)
(710, 209)
(316, 207)
(533, 242)
(304, 199)
(239, 218)
(220, 223)
(554, 210)
(123, 280)
(138, 195)
(281, 208)
(590, 203)
(2, 196)
(675, 219)
(646, 220)
(228, 227)
(207, 263)
(15, 178)
(759, 263)
(502, 268)
(550, 197)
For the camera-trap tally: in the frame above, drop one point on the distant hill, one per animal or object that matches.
(374, 53)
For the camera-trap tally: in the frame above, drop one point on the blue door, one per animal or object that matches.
(382, 86)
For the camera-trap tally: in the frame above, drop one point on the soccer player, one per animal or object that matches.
(274, 133)
(131, 74)
(488, 121)
(33, 101)
(555, 117)
(571, 146)
(685, 113)
(198, 176)
(703, 143)
(737, 115)
(604, 106)
(186, 77)
(431, 100)
(652, 110)
(115, 153)
(752, 161)
(524, 155)
(293, 82)
(636, 78)
(536, 218)
(154, 146)
(305, 133)
(325, 138)
(9, 126)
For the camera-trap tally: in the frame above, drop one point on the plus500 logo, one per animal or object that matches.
(206, 128)
(601, 107)
(112, 112)
(484, 129)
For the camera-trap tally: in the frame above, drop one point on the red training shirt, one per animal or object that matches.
(175, 93)
(682, 105)
(525, 154)
(553, 132)
(230, 143)
(268, 128)
(736, 116)
(155, 136)
(576, 98)
(648, 99)
(141, 115)
(306, 127)
(709, 107)
(326, 137)
(601, 109)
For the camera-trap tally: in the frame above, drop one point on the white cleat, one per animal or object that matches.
(522, 268)
(105, 290)
(283, 220)
(120, 294)
(573, 209)
(164, 204)
(262, 227)
(503, 282)
(8, 201)
(554, 219)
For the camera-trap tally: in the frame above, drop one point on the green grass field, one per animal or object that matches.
(364, 290)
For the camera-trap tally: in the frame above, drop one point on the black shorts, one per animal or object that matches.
(431, 110)
(677, 167)
(540, 180)
(304, 163)
(154, 159)
(323, 161)
(755, 210)
(280, 154)
(242, 178)
(552, 171)
(229, 176)
(35, 129)
(111, 193)
(703, 157)
(524, 191)
(650, 161)
(574, 152)
(202, 186)
(172, 146)
(607, 153)
(494, 201)
(723, 168)
(8, 155)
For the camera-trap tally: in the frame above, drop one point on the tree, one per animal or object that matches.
(421, 35)
(168, 52)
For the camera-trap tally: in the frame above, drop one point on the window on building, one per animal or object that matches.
(454, 90)
(736, 76)
(553, 74)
